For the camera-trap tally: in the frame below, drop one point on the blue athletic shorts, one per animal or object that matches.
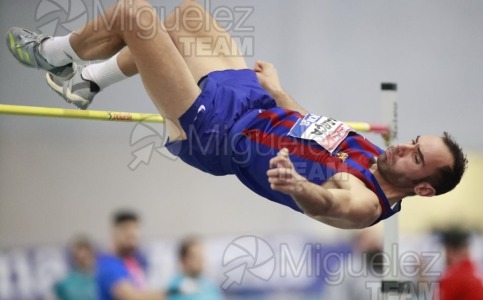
(226, 97)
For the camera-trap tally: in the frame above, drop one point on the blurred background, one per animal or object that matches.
(60, 178)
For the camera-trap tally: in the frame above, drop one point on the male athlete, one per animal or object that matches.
(223, 118)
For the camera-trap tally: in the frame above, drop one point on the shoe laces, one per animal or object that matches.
(27, 39)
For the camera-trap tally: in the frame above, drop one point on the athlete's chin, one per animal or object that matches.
(127, 251)
(382, 163)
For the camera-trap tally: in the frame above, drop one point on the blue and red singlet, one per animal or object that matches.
(235, 127)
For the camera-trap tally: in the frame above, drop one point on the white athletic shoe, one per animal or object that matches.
(76, 90)
(24, 46)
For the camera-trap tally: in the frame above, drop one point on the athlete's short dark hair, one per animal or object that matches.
(185, 246)
(455, 238)
(123, 216)
(447, 178)
(82, 241)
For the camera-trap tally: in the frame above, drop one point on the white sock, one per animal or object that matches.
(58, 51)
(104, 74)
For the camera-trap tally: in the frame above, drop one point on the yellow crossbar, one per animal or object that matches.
(130, 116)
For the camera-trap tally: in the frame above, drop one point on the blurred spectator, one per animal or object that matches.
(460, 280)
(359, 276)
(192, 263)
(79, 284)
(121, 274)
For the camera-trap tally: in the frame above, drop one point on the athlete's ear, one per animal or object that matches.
(424, 189)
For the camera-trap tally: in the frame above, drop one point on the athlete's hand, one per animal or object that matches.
(282, 175)
(268, 77)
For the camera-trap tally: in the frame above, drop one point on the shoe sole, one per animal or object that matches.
(70, 98)
(23, 57)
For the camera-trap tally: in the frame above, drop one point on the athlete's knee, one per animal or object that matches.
(137, 16)
(189, 16)
(135, 12)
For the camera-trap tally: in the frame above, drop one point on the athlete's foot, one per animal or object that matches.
(76, 90)
(24, 46)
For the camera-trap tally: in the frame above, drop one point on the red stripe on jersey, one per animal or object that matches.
(306, 151)
(368, 147)
(275, 117)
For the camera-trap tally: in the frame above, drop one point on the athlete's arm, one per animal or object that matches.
(268, 78)
(354, 207)
(124, 290)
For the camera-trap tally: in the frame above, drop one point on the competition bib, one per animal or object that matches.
(327, 132)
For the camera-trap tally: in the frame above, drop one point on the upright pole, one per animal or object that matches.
(391, 284)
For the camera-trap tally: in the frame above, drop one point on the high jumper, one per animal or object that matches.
(224, 118)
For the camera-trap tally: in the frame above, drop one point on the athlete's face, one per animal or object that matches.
(405, 165)
(126, 237)
(193, 262)
(83, 257)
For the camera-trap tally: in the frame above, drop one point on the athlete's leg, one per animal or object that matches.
(194, 32)
(196, 41)
(126, 63)
(165, 74)
(201, 40)
(204, 45)
(91, 42)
